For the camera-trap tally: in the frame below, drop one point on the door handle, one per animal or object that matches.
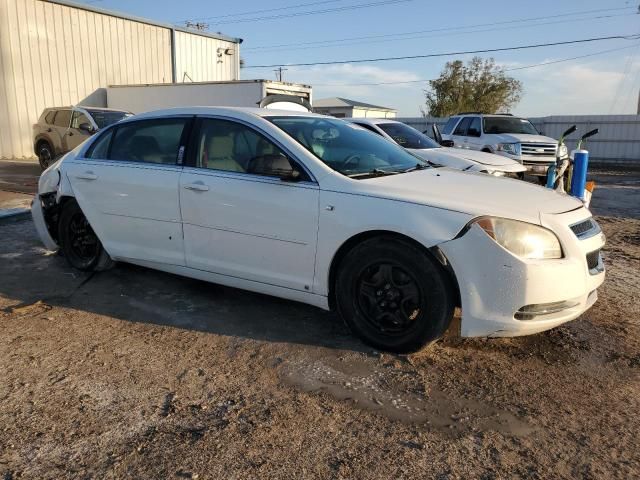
(49, 130)
(197, 186)
(87, 176)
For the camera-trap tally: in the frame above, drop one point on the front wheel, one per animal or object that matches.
(79, 242)
(45, 155)
(393, 295)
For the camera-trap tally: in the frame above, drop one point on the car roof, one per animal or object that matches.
(237, 112)
(371, 121)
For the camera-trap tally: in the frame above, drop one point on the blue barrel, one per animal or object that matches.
(579, 178)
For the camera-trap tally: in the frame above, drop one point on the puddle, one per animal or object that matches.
(368, 389)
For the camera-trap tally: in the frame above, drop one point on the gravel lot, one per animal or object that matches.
(139, 374)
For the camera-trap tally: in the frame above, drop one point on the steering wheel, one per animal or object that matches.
(348, 159)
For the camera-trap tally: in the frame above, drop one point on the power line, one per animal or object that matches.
(451, 54)
(266, 10)
(423, 80)
(447, 34)
(384, 37)
(311, 12)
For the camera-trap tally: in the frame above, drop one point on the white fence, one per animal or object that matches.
(617, 144)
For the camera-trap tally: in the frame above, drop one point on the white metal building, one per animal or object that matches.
(57, 53)
(343, 107)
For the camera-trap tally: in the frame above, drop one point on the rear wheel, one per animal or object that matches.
(79, 242)
(45, 155)
(393, 295)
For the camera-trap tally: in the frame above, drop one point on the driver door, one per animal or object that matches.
(74, 136)
(240, 217)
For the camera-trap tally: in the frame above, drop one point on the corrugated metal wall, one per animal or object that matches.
(56, 55)
(617, 144)
(198, 57)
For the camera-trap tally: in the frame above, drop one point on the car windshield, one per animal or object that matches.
(500, 125)
(104, 118)
(348, 148)
(407, 137)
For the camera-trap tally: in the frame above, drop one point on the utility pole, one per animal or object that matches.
(196, 25)
(279, 71)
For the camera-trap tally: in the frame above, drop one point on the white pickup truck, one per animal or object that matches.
(506, 135)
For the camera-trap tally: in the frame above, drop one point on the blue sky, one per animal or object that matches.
(601, 84)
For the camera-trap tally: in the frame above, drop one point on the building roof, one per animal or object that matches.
(345, 102)
(113, 13)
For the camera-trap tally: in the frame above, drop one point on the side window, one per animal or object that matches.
(49, 117)
(474, 128)
(462, 127)
(151, 141)
(63, 118)
(233, 147)
(78, 119)
(100, 147)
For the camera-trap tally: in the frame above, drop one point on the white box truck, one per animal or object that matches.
(236, 93)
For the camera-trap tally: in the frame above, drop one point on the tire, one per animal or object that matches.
(393, 295)
(45, 154)
(79, 243)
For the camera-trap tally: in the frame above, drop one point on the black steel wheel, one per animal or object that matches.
(45, 155)
(394, 295)
(79, 242)
(389, 298)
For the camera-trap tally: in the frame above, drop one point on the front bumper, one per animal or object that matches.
(41, 225)
(495, 285)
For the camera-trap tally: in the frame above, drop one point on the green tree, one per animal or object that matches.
(478, 86)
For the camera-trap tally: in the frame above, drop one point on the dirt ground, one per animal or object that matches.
(133, 373)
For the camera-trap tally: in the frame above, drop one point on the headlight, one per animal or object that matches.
(562, 151)
(522, 239)
(510, 148)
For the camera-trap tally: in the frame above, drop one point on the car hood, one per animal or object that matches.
(523, 138)
(461, 159)
(472, 193)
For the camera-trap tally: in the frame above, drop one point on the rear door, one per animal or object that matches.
(240, 218)
(61, 123)
(459, 135)
(127, 186)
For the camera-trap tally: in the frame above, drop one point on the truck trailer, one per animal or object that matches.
(236, 93)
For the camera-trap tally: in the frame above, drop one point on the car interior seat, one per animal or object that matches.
(218, 154)
(144, 148)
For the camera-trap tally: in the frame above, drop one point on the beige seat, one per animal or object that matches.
(218, 154)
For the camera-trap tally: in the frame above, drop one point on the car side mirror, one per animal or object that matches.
(86, 127)
(447, 143)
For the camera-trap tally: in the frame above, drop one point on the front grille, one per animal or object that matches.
(539, 149)
(593, 259)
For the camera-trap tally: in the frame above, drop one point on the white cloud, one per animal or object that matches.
(578, 89)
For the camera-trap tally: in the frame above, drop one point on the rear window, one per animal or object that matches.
(151, 141)
(48, 118)
(105, 118)
(63, 118)
(448, 128)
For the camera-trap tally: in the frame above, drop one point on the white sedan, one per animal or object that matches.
(423, 146)
(317, 210)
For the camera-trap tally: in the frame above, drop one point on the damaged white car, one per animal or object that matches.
(423, 146)
(317, 210)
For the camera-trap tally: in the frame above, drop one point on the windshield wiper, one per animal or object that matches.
(376, 172)
(418, 166)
